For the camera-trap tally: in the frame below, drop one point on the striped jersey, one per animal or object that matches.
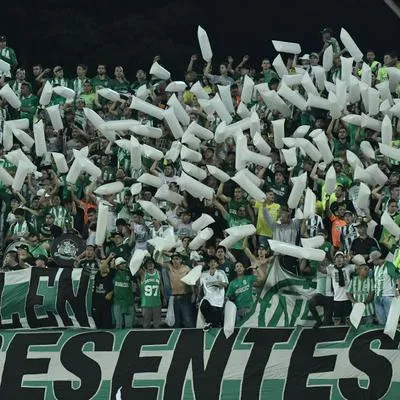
(360, 289)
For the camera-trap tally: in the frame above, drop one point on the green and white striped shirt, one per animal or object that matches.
(360, 289)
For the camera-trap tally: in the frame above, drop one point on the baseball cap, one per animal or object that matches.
(23, 246)
(3, 38)
(374, 255)
(305, 57)
(358, 259)
(339, 253)
(314, 55)
(119, 261)
(327, 30)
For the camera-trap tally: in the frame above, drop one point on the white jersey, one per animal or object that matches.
(340, 292)
(214, 294)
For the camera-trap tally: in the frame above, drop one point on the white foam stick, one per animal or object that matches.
(198, 90)
(18, 155)
(23, 137)
(353, 160)
(5, 67)
(191, 140)
(201, 238)
(207, 108)
(226, 97)
(308, 84)
(200, 321)
(330, 87)
(292, 97)
(330, 180)
(109, 188)
(262, 146)
(218, 173)
(148, 131)
(299, 184)
(313, 242)
(361, 175)
(5, 178)
(124, 144)
(181, 114)
(296, 251)
(109, 94)
(390, 225)
(279, 132)
(221, 133)
(384, 108)
(256, 158)
(292, 80)
(194, 187)
(367, 149)
(290, 142)
(387, 131)
(176, 86)
(200, 131)
(65, 92)
(309, 204)
(286, 47)
(160, 72)
(384, 91)
(301, 131)
(55, 117)
(46, 94)
(152, 210)
(279, 66)
(151, 152)
(137, 260)
(247, 90)
(136, 188)
(194, 171)
(22, 171)
(347, 68)
(290, 157)
(241, 231)
(363, 198)
(74, 172)
(394, 78)
(220, 109)
(366, 74)
(393, 318)
(173, 123)
(262, 87)
(377, 175)
(364, 95)
(274, 102)
(142, 92)
(150, 180)
(135, 153)
(190, 155)
(241, 125)
(93, 117)
(309, 149)
(202, 222)
(335, 108)
(147, 108)
(350, 45)
(121, 125)
(319, 74)
(243, 181)
(8, 137)
(356, 314)
(341, 93)
(243, 111)
(318, 102)
(352, 119)
(61, 163)
(373, 101)
(255, 125)
(252, 177)
(372, 123)
(204, 44)
(39, 139)
(230, 311)
(229, 241)
(8, 94)
(395, 110)
(354, 91)
(174, 151)
(193, 275)
(327, 59)
(315, 132)
(323, 146)
(300, 70)
(241, 152)
(101, 223)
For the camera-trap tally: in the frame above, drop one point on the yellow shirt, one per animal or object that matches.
(262, 227)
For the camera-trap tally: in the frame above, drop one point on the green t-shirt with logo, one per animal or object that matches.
(150, 290)
(241, 290)
(123, 289)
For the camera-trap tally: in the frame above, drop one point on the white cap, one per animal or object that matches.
(304, 57)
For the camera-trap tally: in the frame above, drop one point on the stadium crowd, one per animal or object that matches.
(361, 263)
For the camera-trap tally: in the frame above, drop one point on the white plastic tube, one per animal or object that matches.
(61, 163)
(247, 90)
(147, 108)
(350, 45)
(152, 210)
(243, 181)
(101, 224)
(218, 173)
(8, 94)
(46, 94)
(23, 137)
(220, 109)
(194, 187)
(150, 180)
(194, 171)
(296, 251)
(330, 180)
(160, 72)
(109, 94)
(226, 97)
(164, 193)
(173, 123)
(190, 155)
(181, 114)
(204, 44)
(109, 188)
(22, 171)
(202, 222)
(55, 117)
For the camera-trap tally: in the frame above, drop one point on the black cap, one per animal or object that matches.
(23, 246)
(3, 38)
(327, 30)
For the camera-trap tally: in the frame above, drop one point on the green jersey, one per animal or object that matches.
(150, 290)
(123, 289)
(241, 290)
(360, 289)
(30, 104)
